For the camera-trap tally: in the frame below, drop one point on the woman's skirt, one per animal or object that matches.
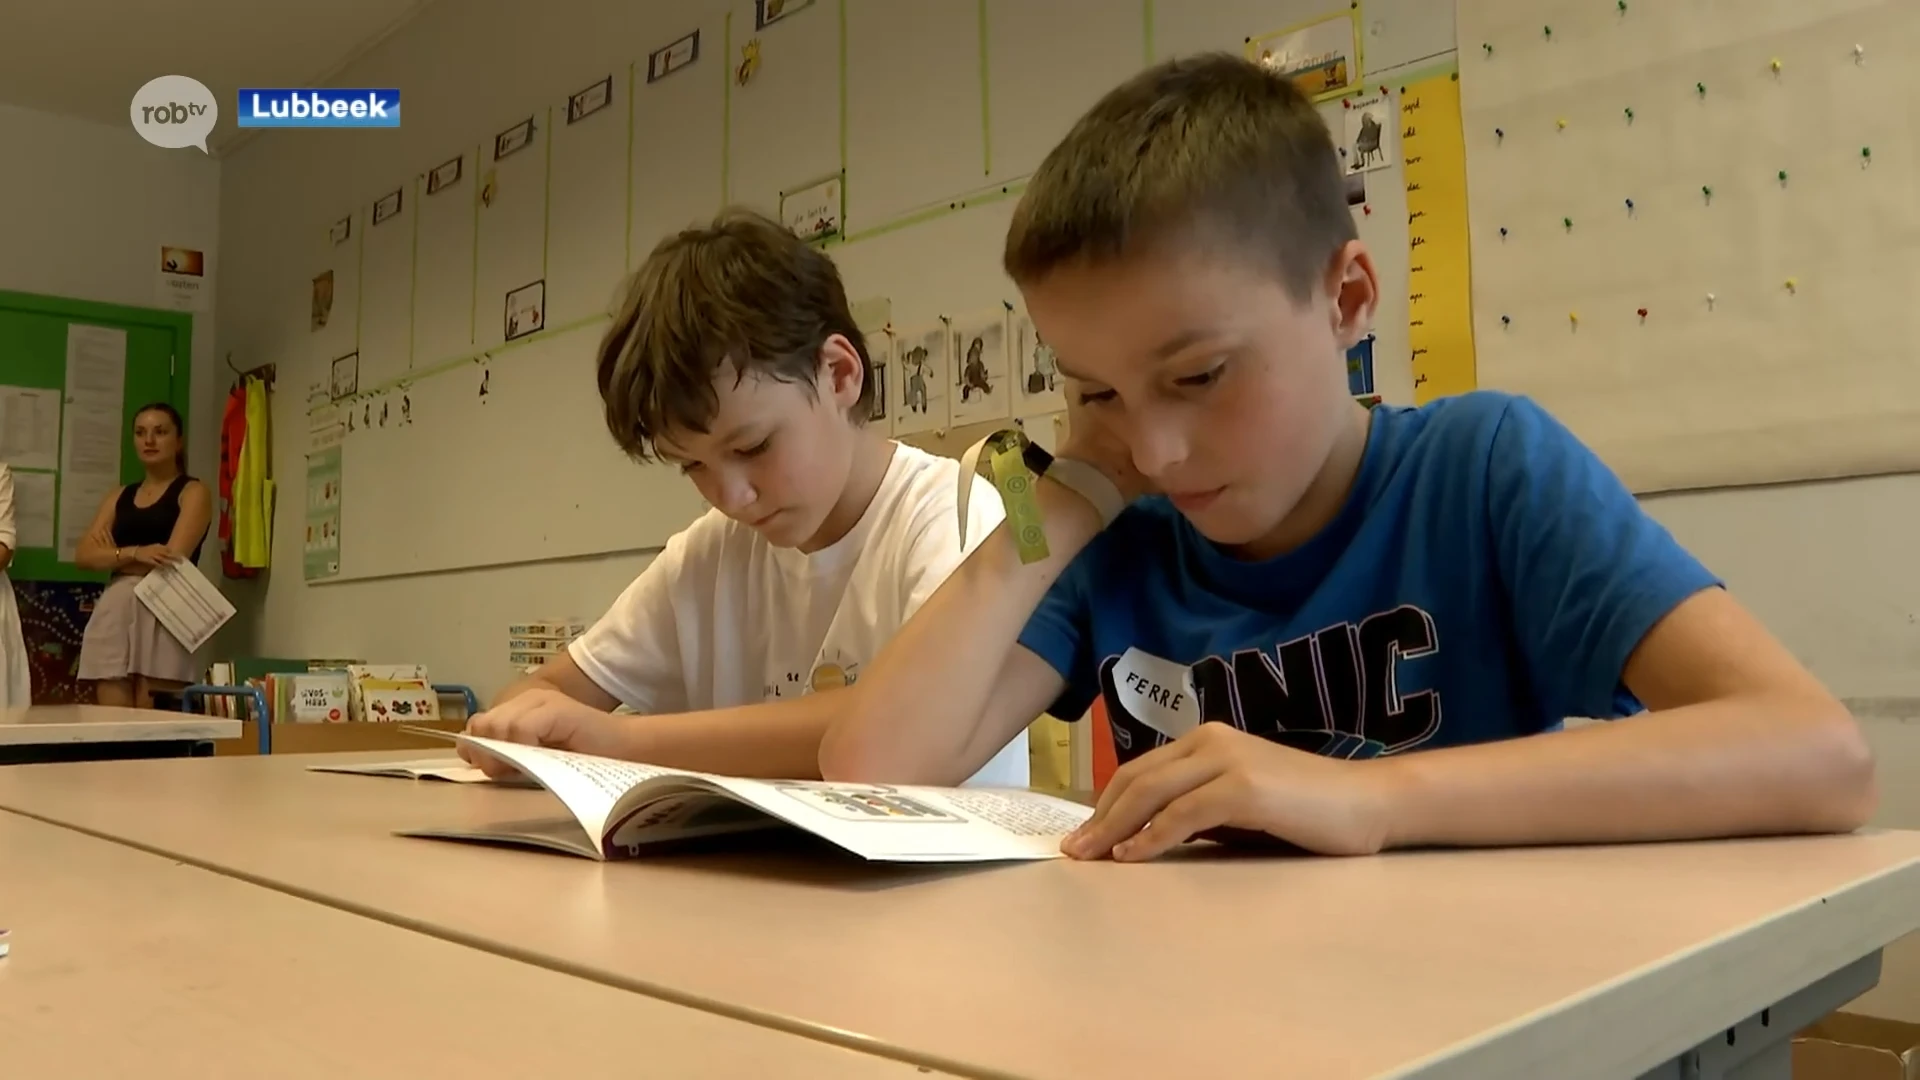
(124, 640)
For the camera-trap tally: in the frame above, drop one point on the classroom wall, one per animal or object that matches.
(84, 209)
(1819, 562)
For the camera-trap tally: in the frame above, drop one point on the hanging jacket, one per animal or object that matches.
(233, 434)
(253, 484)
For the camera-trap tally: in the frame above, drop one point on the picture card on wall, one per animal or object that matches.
(322, 300)
(340, 230)
(1038, 387)
(526, 310)
(665, 61)
(768, 12)
(182, 282)
(513, 140)
(388, 206)
(590, 101)
(1369, 134)
(920, 379)
(814, 211)
(980, 391)
(445, 175)
(880, 358)
(345, 380)
(1321, 58)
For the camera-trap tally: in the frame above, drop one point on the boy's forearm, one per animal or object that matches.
(777, 740)
(1734, 767)
(923, 696)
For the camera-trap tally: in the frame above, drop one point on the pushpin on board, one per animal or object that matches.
(1623, 6)
(1775, 65)
(1629, 114)
(1866, 155)
(1643, 314)
(1783, 176)
(1706, 192)
(1367, 209)
(1499, 133)
(1859, 54)
(1629, 206)
(1567, 222)
(1561, 123)
(1487, 45)
(1700, 88)
(1793, 284)
(1506, 320)
(1573, 318)
(1548, 31)
(1710, 299)
(1503, 232)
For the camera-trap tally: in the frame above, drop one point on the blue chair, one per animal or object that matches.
(192, 696)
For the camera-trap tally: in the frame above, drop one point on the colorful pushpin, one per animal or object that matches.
(1706, 192)
(1506, 320)
(1561, 123)
(1367, 209)
(1700, 88)
(1866, 154)
(1783, 176)
(1629, 206)
(1629, 114)
(1487, 45)
(1859, 54)
(1710, 299)
(1567, 222)
(1775, 65)
(1573, 318)
(1503, 232)
(1622, 5)
(1793, 284)
(1499, 133)
(1643, 314)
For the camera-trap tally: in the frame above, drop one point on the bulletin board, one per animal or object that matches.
(1694, 233)
(66, 409)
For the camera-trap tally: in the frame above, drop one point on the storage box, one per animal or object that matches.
(1849, 1046)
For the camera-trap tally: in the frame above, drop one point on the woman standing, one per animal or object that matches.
(16, 685)
(126, 653)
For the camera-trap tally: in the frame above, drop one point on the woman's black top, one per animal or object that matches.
(138, 526)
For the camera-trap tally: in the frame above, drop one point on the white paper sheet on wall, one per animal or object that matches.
(1703, 264)
(30, 427)
(90, 451)
(33, 509)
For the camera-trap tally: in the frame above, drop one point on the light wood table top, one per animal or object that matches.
(127, 964)
(41, 725)
(1571, 963)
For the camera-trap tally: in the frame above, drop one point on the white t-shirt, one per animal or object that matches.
(721, 618)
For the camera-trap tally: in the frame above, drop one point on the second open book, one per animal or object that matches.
(619, 809)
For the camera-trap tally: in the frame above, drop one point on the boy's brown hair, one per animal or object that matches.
(1208, 153)
(744, 290)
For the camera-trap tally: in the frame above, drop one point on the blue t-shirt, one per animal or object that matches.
(1487, 578)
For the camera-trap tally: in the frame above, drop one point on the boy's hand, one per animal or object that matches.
(543, 718)
(1219, 777)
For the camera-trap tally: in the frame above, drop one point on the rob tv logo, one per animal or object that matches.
(319, 108)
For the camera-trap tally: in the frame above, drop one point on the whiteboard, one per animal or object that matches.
(1771, 239)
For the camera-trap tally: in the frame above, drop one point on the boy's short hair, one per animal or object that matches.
(743, 289)
(1211, 152)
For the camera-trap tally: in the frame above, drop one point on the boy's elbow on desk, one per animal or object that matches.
(1846, 787)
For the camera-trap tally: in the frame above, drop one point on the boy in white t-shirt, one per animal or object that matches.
(736, 358)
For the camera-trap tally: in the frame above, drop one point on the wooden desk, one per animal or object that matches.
(1603, 962)
(43, 733)
(126, 964)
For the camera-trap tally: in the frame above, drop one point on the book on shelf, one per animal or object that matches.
(621, 809)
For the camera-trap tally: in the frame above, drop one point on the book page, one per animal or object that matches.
(919, 824)
(588, 785)
(185, 602)
(441, 768)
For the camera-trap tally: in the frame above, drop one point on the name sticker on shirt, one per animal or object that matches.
(1158, 693)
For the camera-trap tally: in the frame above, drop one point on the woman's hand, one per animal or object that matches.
(153, 556)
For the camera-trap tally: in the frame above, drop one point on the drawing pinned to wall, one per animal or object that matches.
(1321, 57)
(768, 12)
(182, 283)
(340, 230)
(388, 206)
(590, 101)
(1356, 188)
(880, 359)
(526, 310)
(920, 362)
(980, 390)
(486, 383)
(345, 376)
(664, 61)
(749, 65)
(445, 175)
(406, 405)
(322, 300)
(1040, 389)
(513, 140)
(814, 212)
(1369, 130)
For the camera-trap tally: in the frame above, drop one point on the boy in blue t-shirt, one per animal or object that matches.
(1309, 592)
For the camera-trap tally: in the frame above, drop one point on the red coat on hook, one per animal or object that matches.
(233, 435)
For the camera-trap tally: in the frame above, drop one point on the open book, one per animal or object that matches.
(437, 768)
(619, 809)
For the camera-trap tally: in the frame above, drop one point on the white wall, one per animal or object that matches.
(1820, 562)
(84, 209)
